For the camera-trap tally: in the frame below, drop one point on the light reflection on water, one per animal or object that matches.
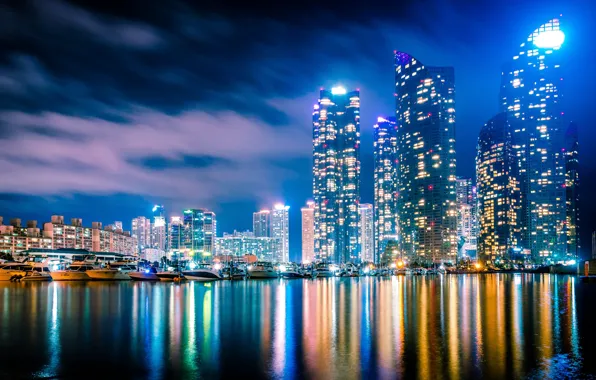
(497, 326)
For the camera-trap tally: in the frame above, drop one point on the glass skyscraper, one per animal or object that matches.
(336, 175)
(385, 185)
(425, 115)
(261, 223)
(367, 242)
(280, 229)
(199, 231)
(572, 189)
(467, 216)
(531, 96)
(499, 194)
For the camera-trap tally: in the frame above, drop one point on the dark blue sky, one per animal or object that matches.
(108, 108)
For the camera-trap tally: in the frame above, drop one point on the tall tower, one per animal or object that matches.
(308, 232)
(158, 228)
(141, 229)
(198, 235)
(572, 190)
(280, 229)
(531, 96)
(336, 174)
(499, 194)
(467, 216)
(367, 240)
(425, 114)
(261, 223)
(385, 185)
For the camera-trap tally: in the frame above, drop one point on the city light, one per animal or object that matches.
(217, 266)
(282, 268)
(338, 90)
(550, 39)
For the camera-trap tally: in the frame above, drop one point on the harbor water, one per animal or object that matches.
(425, 327)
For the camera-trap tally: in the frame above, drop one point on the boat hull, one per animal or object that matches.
(323, 274)
(256, 274)
(11, 275)
(69, 276)
(291, 275)
(107, 275)
(37, 278)
(170, 276)
(142, 276)
(198, 275)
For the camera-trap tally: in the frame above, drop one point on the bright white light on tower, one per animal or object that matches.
(381, 119)
(338, 90)
(549, 39)
(281, 206)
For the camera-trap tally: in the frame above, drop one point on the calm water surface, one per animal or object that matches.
(468, 326)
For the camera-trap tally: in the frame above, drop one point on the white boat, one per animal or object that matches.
(143, 275)
(291, 271)
(262, 270)
(75, 272)
(203, 272)
(11, 271)
(38, 272)
(117, 271)
(324, 270)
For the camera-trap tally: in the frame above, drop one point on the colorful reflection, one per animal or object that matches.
(497, 326)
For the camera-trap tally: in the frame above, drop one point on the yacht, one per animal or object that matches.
(11, 271)
(291, 271)
(350, 270)
(262, 270)
(170, 276)
(77, 271)
(324, 270)
(145, 274)
(117, 271)
(204, 272)
(38, 272)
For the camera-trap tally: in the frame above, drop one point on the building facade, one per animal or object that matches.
(159, 231)
(308, 232)
(467, 216)
(175, 234)
(367, 237)
(15, 238)
(425, 115)
(141, 230)
(280, 229)
(198, 234)
(499, 192)
(572, 190)
(336, 175)
(385, 185)
(531, 96)
(245, 243)
(261, 223)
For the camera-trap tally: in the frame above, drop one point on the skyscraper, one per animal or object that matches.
(280, 229)
(158, 228)
(530, 95)
(385, 185)
(336, 174)
(367, 239)
(572, 190)
(425, 115)
(308, 232)
(141, 229)
(175, 234)
(499, 194)
(198, 235)
(467, 216)
(261, 223)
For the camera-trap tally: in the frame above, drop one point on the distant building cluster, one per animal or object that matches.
(56, 234)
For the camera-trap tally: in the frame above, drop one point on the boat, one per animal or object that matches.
(38, 272)
(204, 272)
(291, 271)
(170, 276)
(117, 271)
(350, 270)
(12, 271)
(77, 271)
(147, 274)
(262, 270)
(324, 270)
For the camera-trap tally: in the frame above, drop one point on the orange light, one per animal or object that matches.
(400, 264)
(478, 266)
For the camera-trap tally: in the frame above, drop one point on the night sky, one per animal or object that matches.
(108, 109)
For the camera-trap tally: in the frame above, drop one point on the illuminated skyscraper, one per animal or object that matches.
(572, 190)
(385, 184)
(261, 223)
(367, 237)
(280, 229)
(336, 174)
(175, 234)
(159, 229)
(531, 95)
(141, 229)
(425, 110)
(467, 216)
(499, 195)
(198, 236)
(308, 232)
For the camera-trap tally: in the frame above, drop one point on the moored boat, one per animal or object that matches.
(117, 271)
(147, 274)
(290, 271)
(262, 270)
(75, 272)
(204, 272)
(11, 271)
(324, 270)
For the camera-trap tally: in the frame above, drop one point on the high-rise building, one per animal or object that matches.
(425, 115)
(199, 230)
(245, 243)
(141, 230)
(159, 229)
(336, 174)
(280, 229)
(308, 232)
(467, 216)
(175, 234)
(210, 226)
(531, 96)
(118, 225)
(261, 223)
(385, 185)
(367, 237)
(499, 194)
(572, 189)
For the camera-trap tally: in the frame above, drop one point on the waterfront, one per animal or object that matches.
(456, 326)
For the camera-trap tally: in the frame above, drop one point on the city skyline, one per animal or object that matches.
(235, 212)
